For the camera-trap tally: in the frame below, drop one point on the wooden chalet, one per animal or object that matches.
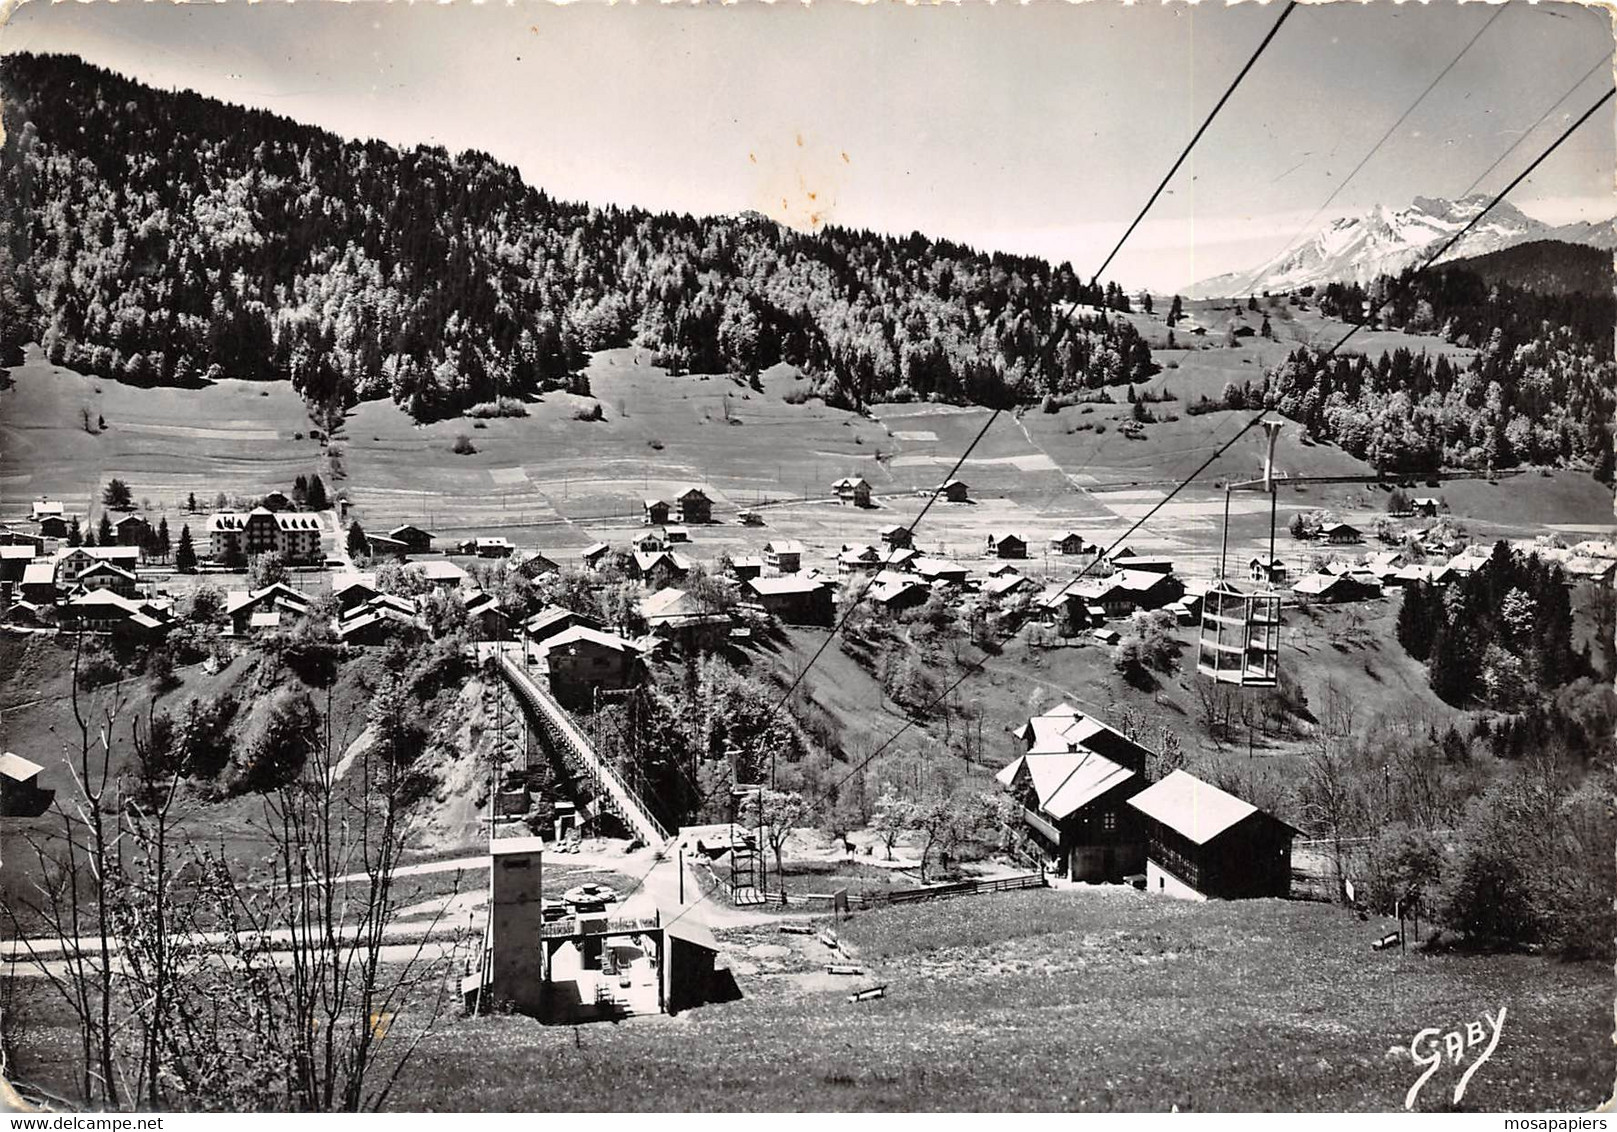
(1073, 777)
(795, 599)
(952, 491)
(852, 489)
(694, 506)
(581, 661)
(21, 795)
(784, 556)
(656, 512)
(1069, 542)
(1340, 534)
(1203, 843)
(897, 537)
(414, 539)
(1007, 545)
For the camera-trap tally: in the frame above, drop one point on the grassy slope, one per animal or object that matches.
(237, 437)
(1057, 1000)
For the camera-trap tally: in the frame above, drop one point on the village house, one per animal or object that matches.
(38, 583)
(1140, 562)
(47, 509)
(858, 560)
(939, 570)
(581, 661)
(1326, 588)
(496, 546)
(659, 570)
(852, 489)
(377, 622)
(899, 558)
(1143, 589)
(750, 518)
(11, 536)
(1267, 571)
(952, 491)
(106, 576)
(354, 588)
(896, 592)
(1426, 506)
(1340, 534)
(675, 616)
(440, 573)
(414, 539)
(54, 526)
(487, 617)
(897, 537)
(1069, 542)
(672, 535)
(1598, 571)
(694, 507)
(1006, 545)
(744, 567)
(295, 537)
(648, 543)
(29, 615)
(595, 555)
(1067, 607)
(105, 611)
(553, 619)
(1073, 779)
(1006, 584)
(795, 599)
(13, 561)
(21, 795)
(1203, 843)
(276, 501)
(386, 546)
(255, 611)
(784, 556)
(531, 564)
(656, 512)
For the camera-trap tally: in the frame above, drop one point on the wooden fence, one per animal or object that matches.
(865, 901)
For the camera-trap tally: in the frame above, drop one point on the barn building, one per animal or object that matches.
(1203, 843)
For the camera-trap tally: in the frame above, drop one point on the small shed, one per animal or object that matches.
(21, 795)
(953, 491)
(1003, 544)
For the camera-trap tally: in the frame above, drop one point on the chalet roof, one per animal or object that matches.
(938, 567)
(892, 529)
(1006, 583)
(22, 551)
(46, 508)
(947, 484)
(789, 584)
(555, 615)
(39, 574)
(1332, 528)
(386, 542)
(783, 546)
(1317, 584)
(654, 503)
(129, 518)
(343, 582)
(1198, 810)
(691, 493)
(382, 604)
(104, 568)
(94, 598)
(892, 587)
(1002, 536)
(595, 550)
(646, 560)
(1265, 561)
(484, 602)
(18, 769)
(747, 561)
(851, 482)
(583, 633)
(267, 619)
(494, 540)
(437, 570)
(1137, 581)
(1067, 781)
(1065, 535)
(277, 592)
(667, 602)
(999, 568)
(859, 554)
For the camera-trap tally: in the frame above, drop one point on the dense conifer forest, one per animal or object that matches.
(168, 238)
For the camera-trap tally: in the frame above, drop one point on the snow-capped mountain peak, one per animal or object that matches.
(1384, 241)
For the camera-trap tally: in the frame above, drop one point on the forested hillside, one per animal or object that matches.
(1540, 389)
(169, 238)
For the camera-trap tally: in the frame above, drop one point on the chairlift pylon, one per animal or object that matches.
(1239, 642)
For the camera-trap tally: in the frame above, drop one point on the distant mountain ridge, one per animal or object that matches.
(1384, 241)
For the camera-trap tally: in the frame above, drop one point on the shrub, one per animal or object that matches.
(798, 394)
(463, 445)
(499, 407)
(479, 424)
(590, 413)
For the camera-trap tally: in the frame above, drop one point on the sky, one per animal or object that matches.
(1039, 128)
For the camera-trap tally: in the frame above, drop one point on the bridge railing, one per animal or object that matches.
(623, 802)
